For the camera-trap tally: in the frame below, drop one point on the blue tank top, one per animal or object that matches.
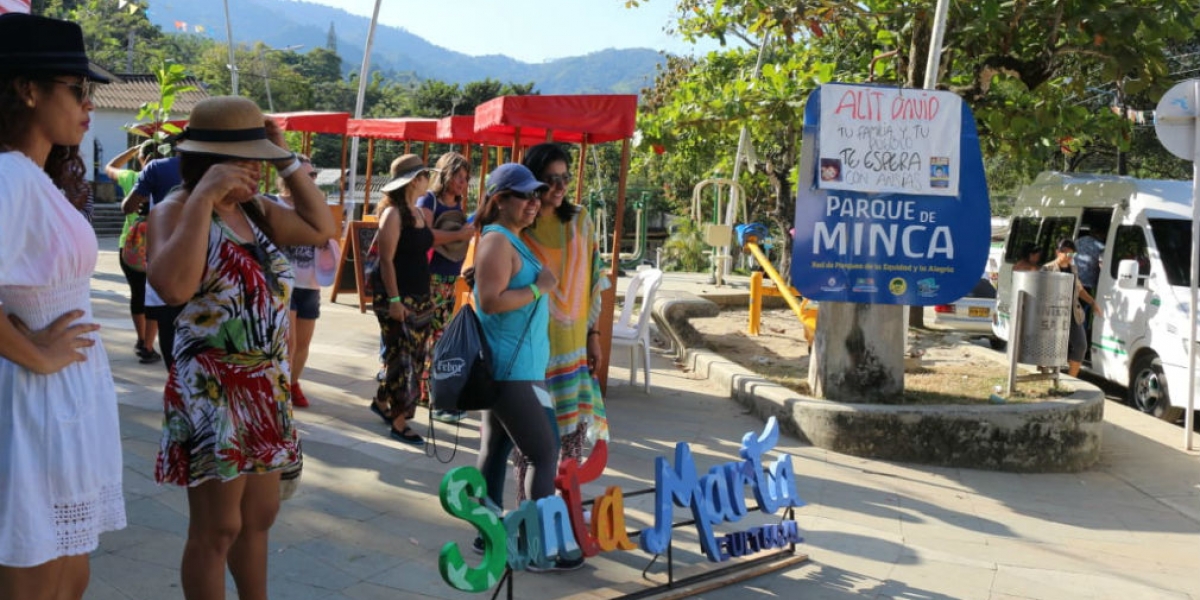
(503, 330)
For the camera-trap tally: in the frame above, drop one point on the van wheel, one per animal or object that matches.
(997, 343)
(1148, 388)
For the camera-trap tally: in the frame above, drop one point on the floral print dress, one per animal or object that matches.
(227, 403)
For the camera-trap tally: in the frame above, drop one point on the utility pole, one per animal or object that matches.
(129, 52)
(262, 61)
(266, 74)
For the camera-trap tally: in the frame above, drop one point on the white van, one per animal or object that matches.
(1146, 227)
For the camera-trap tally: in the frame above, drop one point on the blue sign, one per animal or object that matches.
(857, 239)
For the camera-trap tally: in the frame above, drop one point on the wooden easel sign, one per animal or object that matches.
(350, 276)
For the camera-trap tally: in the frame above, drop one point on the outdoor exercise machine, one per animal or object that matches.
(748, 236)
(600, 217)
(716, 234)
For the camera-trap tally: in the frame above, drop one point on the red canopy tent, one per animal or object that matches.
(400, 130)
(310, 122)
(581, 119)
(460, 129)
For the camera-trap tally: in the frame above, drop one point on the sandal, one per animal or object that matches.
(408, 436)
(379, 411)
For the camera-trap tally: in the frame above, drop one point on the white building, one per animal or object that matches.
(116, 108)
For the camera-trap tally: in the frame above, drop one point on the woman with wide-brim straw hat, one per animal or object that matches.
(60, 442)
(401, 297)
(214, 247)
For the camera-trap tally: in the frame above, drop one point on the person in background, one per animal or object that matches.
(60, 439)
(157, 179)
(401, 295)
(564, 242)
(509, 285)
(147, 329)
(1077, 343)
(228, 428)
(1029, 258)
(443, 207)
(1090, 247)
(306, 296)
(79, 190)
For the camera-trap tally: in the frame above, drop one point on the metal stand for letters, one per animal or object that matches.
(759, 565)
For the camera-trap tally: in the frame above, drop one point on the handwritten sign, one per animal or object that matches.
(888, 247)
(886, 139)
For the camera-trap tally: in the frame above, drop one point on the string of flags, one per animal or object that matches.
(183, 26)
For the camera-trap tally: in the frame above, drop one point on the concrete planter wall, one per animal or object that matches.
(1059, 435)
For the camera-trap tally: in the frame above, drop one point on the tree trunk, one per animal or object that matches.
(858, 354)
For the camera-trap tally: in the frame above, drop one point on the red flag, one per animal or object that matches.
(180, 25)
(15, 6)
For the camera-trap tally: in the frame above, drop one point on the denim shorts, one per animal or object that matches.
(306, 303)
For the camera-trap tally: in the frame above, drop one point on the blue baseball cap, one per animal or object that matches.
(515, 177)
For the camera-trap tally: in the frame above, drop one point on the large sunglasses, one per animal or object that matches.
(522, 195)
(83, 90)
(562, 179)
(264, 261)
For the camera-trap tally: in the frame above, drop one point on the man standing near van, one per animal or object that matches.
(1090, 247)
(1077, 342)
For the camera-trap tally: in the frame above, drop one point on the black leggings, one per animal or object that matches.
(518, 417)
(166, 315)
(137, 287)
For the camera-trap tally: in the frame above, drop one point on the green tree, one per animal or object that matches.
(109, 32)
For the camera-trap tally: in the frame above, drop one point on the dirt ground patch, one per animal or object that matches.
(953, 367)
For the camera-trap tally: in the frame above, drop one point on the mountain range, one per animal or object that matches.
(397, 51)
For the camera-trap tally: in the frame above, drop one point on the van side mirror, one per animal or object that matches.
(1127, 274)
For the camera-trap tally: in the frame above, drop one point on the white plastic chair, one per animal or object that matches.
(637, 335)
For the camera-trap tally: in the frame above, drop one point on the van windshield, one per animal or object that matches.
(1174, 240)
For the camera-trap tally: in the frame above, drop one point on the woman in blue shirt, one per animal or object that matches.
(509, 284)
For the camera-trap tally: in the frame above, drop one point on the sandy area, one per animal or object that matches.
(781, 351)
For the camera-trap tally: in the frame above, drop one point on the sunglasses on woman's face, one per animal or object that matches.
(523, 195)
(83, 90)
(558, 179)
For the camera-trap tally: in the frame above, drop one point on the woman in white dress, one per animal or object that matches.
(60, 447)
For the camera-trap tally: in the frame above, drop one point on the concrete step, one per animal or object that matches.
(107, 219)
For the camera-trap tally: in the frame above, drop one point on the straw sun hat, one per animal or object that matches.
(229, 126)
(405, 169)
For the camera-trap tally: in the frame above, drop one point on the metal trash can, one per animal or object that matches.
(1045, 326)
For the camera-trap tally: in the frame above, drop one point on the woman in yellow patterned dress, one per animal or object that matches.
(563, 240)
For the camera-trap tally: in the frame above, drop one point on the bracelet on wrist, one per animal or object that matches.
(291, 168)
(592, 332)
(537, 294)
(393, 299)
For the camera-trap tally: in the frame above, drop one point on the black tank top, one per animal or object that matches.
(412, 262)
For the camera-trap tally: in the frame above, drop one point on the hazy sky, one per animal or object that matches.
(530, 30)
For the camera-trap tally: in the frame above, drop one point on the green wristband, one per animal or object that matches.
(537, 294)
(393, 299)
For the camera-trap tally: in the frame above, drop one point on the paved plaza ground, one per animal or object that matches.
(366, 523)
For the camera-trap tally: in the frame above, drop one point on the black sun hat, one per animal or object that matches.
(33, 45)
